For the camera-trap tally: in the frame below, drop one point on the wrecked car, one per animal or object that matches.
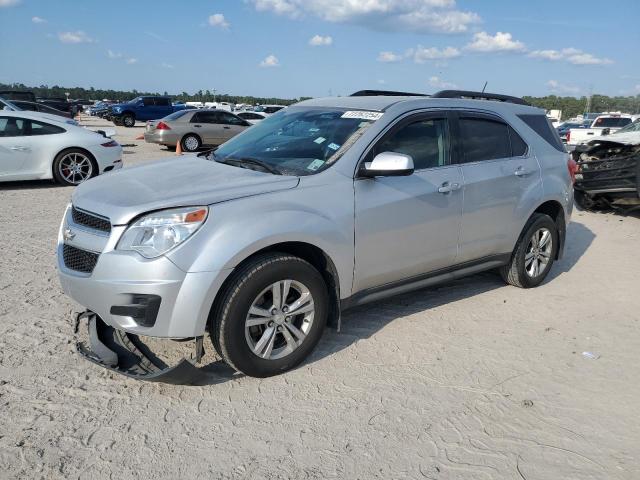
(608, 171)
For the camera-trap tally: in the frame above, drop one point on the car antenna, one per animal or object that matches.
(485, 86)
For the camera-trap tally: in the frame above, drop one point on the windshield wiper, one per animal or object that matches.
(251, 161)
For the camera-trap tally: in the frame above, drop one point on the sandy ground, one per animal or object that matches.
(473, 380)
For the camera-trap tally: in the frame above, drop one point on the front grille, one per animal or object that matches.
(79, 260)
(91, 221)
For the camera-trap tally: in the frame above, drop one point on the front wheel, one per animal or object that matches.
(534, 254)
(128, 120)
(271, 315)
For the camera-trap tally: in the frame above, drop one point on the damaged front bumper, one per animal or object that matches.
(127, 354)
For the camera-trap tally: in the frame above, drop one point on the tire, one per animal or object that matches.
(191, 142)
(66, 163)
(128, 120)
(251, 287)
(117, 122)
(520, 271)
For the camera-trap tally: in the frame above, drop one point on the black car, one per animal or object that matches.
(40, 107)
(59, 104)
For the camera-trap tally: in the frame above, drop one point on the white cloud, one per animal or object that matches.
(218, 20)
(437, 82)
(320, 41)
(166, 65)
(440, 16)
(557, 87)
(382, 82)
(389, 57)
(500, 42)
(75, 37)
(421, 54)
(571, 55)
(112, 54)
(38, 20)
(131, 61)
(270, 61)
(9, 3)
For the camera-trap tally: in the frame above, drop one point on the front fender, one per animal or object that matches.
(240, 228)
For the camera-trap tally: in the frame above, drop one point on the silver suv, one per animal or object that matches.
(325, 205)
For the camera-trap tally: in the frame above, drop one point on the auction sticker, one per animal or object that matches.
(315, 165)
(373, 116)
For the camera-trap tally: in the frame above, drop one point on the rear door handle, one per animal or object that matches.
(447, 187)
(521, 172)
(19, 148)
(197, 126)
(226, 128)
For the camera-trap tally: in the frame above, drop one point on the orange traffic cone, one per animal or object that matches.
(179, 147)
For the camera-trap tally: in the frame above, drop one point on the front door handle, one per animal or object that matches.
(448, 187)
(19, 148)
(226, 128)
(522, 172)
(197, 126)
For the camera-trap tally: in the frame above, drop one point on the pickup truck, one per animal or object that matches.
(142, 109)
(601, 125)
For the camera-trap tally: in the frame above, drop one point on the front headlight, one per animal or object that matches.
(157, 233)
(117, 109)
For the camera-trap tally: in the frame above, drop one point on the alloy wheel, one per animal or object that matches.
(538, 254)
(279, 319)
(75, 168)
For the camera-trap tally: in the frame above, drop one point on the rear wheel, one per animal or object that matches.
(271, 315)
(534, 254)
(191, 142)
(74, 166)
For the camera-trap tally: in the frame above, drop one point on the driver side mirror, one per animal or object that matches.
(388, 164)
(605, 131)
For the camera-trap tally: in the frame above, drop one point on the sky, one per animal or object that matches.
(294, 48)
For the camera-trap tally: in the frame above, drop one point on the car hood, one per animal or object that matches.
(180, 181)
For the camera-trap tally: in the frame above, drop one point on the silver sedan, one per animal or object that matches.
(194, 128)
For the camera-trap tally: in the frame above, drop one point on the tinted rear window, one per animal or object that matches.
(484, 139)
(542, 126)
(612, 122)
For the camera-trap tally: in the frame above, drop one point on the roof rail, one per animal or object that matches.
(479, 96)
(385, 93)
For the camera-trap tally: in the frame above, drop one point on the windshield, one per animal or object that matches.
(135, 100)
(297, 141)
(633, 127)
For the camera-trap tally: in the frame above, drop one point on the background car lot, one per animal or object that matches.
(470, 380)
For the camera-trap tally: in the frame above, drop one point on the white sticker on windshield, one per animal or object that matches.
(333, 146)
(315, 165)
(373, 116)
(319, 140)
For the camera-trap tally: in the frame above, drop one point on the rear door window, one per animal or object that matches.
(483, 139)
(542, 126)
(229, 119)
(162, 102)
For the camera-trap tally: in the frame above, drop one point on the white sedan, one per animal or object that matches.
(39, 146)
(252, 117)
